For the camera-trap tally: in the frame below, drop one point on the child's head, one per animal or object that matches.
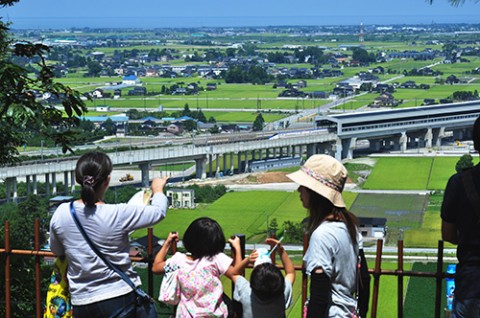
(204, 237)
(267, 281)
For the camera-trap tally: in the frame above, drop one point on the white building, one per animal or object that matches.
(181, 198)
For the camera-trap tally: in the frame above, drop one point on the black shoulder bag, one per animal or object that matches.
(142, 298)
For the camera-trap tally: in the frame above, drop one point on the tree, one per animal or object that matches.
(293, 232)
(21, 113)
(258, 123)
(455, 2)
(465, 162)
(272, 227)
(94, 68)
(186, 110)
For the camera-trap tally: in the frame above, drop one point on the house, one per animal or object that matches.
(102, 108)
(181, 198)
(130, 80)
(372, 227)
(211, 86)
(385, 99)
(318, 94)
(176, 128)
(452, 79)
(138, 91)
(139, 247)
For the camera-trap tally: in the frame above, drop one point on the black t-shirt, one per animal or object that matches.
(457, 209)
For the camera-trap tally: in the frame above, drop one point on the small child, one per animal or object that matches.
(201, 290)
(269, 293)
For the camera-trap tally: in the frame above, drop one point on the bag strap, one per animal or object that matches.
(95, 249)
(471, 192)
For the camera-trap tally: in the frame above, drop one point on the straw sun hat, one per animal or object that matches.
(325, 175)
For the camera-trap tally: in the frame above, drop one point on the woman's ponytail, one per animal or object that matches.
(91, 171)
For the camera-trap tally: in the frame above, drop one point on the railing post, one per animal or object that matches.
(7, 270)
(439, 280)
(400, 280)
(237, 306)
(376, 277)
(150, 260)
(38, 297)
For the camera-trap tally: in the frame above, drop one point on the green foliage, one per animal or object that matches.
(293, 232)
(207, 193)
(258, 123)
(21, 218)
(119, 194)
(419, 301)
(21, 113)
(465, 162)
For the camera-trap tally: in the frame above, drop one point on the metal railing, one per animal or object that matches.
(377, 272)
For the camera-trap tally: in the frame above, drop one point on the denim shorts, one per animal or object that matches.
(118, 307)
(467, 308)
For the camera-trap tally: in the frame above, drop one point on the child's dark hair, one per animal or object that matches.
(204, 237)
(267, 281)
(91, 171)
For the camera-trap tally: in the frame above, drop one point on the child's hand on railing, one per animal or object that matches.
(235, 243)
(172, 237)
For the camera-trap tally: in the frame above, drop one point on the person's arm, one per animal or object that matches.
(449, 232)
(286, 261)
(161, 257)
(238, 264)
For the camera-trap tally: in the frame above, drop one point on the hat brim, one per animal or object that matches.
(303, 179)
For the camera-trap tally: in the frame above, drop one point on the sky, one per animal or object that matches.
(149, 13)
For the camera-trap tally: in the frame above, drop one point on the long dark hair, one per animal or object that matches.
(91, 171)
(320, 208)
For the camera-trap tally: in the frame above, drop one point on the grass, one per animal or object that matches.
(419, 301)
(400, 173)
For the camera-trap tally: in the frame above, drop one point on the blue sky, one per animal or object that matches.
(216, 11)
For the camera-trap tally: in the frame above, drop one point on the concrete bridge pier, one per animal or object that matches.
(145, 168)
(310, 150)
(348, 145)
(224, 164)
(72, 181)
(246, 162)
(232, 166)
(428, 138)
(9, 183)
(65, 182)
(438, 135)
(34, 181)
(201, 168)
(239, 161)
(210, 165)
(403, 142)
(54, 183)
(47, 184)
(28, 185)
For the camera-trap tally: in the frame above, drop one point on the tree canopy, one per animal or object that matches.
(27, 101)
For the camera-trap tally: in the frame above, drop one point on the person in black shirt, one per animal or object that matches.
(461, 226)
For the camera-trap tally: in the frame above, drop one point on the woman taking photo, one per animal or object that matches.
(331, 257)
(96, 290)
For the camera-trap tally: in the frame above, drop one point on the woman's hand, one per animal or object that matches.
(158, 184)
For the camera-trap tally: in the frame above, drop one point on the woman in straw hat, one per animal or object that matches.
(331, 258)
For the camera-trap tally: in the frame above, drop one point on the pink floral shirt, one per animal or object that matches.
(200, 285)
